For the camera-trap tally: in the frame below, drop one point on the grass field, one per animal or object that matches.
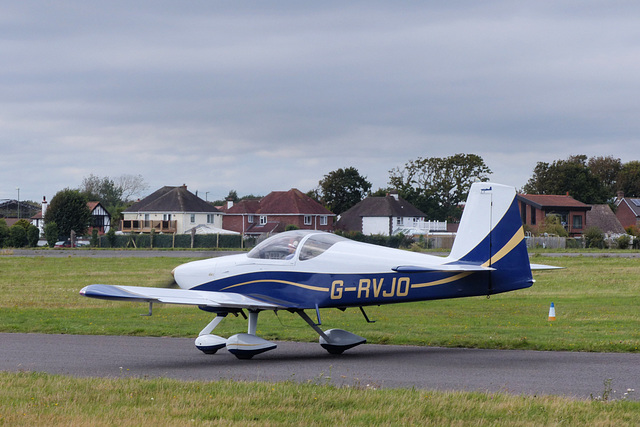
(41, 399)
(596, 303)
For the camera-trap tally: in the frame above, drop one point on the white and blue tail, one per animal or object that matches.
(491, 235)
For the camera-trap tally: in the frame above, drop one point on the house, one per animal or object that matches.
(169, 210)
(100, 217)
(274, 212)
(387, 216)
(535, 208)
(602, 216)
(628, 210)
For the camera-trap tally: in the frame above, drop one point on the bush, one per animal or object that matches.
(111, 237)
(95, 241)
(623, 241)
(553, 225)
(17, 236)
(51, 233)
(33, 235)
(594, 238)
(4, 233)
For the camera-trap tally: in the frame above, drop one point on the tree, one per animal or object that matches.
(4, 233)
(606, 169)
(33, 235)
(69, 210)
(629, 179)
(341, 189)
(103, 190)
(130, 186)
(51, 233)
(571, 176)
(437, 186)
(17, 236)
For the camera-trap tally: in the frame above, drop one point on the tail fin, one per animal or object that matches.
(491, 234)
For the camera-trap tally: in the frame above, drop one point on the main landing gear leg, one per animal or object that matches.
(245, 346)
(208, 343)
(335, 341)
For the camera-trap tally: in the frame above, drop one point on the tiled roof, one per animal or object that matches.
(633, 203)
(172, 199)
(387, 206)
(289, 202)
(602, 216)
(541, 201)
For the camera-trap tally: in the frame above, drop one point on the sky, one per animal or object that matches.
(259, 96)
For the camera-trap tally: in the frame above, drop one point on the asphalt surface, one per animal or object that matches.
(580, 375)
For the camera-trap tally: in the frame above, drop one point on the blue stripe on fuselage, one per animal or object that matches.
(305, 290)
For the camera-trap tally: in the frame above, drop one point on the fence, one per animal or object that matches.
(174, 241)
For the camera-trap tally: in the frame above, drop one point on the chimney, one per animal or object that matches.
(620, 195)
(393, 193)
(229, 203)
(44, 205)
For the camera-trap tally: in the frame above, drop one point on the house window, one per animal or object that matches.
(263, 219)
(210, 218)
(146, 217)
(250, 219)
(577, 221)
(533, 215)
(307, 220)
(166, 217)
(323, 220)
(399, 221)
(193, 218)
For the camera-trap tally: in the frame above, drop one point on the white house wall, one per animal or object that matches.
(183, 220)
(375, 225)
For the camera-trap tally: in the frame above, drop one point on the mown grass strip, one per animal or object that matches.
(43, 399)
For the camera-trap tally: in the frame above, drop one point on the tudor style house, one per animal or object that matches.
(100, 217)
(169, 210)
(535, 208)
(274, 212)
(628, 210)
(387, 216)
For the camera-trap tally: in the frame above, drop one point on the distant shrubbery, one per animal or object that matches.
(19, 235)
(396, 241)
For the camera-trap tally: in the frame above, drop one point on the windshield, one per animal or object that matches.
(317, 244)
(280, 246)
(284, 245)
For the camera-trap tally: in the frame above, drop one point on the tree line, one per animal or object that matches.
(439, 185)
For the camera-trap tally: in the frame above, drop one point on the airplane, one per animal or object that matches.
(311, 270)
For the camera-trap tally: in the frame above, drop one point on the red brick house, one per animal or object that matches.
(628, 211)
(274, 212)
(534, 209)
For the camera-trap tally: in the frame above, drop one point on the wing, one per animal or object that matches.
(176, 296)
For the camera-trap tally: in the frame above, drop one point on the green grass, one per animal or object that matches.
(596, 301)
(43, 399)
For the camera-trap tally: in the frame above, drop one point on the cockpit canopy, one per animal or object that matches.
(284, 246)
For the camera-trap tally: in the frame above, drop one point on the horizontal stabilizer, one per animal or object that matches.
(447, 268)
(544, 267)
(175, 296)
